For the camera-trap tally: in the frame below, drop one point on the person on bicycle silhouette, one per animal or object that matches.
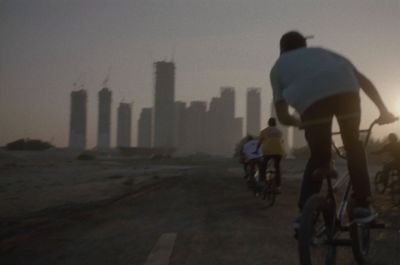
(320, 84)
(393, 148)
(251, 156)
(271, 143)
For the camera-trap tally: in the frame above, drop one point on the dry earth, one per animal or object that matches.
(56, 210)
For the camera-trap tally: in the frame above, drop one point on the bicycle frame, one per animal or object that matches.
(345, 179)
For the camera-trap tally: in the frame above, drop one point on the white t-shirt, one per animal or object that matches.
(249, 148)
(304, 76)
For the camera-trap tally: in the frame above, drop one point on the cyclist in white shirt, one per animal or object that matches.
(320, 85)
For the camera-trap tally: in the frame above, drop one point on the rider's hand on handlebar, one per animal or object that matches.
(386, 117)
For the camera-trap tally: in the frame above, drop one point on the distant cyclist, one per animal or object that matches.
(393, 148)
(271, 142)
(320, 85)
(251, 156)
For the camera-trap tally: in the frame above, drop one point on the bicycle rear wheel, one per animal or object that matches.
(360, 238)
(380, 182)
(316, 232)
(269, 192)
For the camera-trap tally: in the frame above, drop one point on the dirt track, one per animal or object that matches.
(216, 219)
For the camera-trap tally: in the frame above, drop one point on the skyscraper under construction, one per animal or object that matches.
(104, 119)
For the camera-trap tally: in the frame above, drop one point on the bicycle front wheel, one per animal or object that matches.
(316, 233)
(360, 238)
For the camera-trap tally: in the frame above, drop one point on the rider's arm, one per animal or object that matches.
(282, 111)
(281, 106)
(370, 90)
(260, 140)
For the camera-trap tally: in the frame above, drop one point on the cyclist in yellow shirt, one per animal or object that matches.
(271, 142)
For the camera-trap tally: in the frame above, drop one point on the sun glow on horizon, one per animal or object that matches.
(397, 108)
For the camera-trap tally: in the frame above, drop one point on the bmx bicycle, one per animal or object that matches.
(383, 181)
(389, 181)
(262, 188)
(322, 223)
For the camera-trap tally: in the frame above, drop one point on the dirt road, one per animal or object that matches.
(216, 220)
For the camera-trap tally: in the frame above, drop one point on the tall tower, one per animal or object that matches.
(227, 120)
(253, 111)
(181, 127)
(104, 120)
(145, 128)
(124, 125)
(228, 101)
(164, 98)
(196, 117)
(77, 124)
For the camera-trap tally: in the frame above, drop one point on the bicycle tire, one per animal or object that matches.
(269, 192)
(360, 242)
(380, 183)
(315, 233)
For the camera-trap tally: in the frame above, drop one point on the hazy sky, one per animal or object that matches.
(46, 45)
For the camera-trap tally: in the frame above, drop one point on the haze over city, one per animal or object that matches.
(47, 46)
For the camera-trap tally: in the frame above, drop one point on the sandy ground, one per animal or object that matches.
(57, 210)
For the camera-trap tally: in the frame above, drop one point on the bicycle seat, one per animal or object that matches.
(321, 173)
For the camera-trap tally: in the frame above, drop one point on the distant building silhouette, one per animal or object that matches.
(237, 133)
(78, 120)
(283, 128)
(145, 131)
(213, 127)
(253, 111)
(181, 127)
(298, 140)
(124, 125)
(196, 126)
(104, 119)
(227, 120)
(164, 98)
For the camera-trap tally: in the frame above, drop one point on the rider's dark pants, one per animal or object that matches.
(277, 165)
(317, 120)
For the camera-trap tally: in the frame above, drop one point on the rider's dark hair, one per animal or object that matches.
(272, 122)
(292, 40)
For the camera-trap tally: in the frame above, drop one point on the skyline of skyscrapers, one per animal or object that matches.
(104, 119)
(124, 121)
(195, 127)
(212, 129)
(78, 120)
